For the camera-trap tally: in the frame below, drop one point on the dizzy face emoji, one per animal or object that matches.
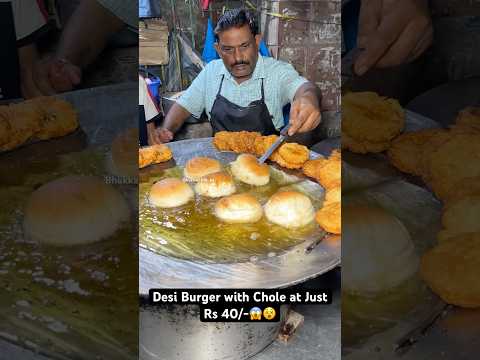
(269, 313)
(255, 313)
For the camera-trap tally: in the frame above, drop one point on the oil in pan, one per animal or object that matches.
(193, 232)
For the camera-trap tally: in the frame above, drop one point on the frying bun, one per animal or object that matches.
(170, 192)
(290, 209)
(200, 166)
(74, 210)
(248, 170)
(215, 185)
(240, 208)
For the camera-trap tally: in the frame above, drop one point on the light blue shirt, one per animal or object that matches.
(280, 81)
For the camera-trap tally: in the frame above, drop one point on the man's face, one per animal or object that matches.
(238, 49)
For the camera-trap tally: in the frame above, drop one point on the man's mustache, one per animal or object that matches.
(241, 63)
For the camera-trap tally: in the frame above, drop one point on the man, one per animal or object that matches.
(243, 90)
(86, 34)
(21, 24)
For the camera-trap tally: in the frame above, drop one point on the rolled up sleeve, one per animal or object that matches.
(29, 17)
(290, 82)
(193, 99)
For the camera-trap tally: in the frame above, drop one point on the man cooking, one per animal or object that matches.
(243, 90)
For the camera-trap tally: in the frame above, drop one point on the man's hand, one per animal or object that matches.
(158, 135)
(64, 75)
(304, 115)
(53, 75)
(392, 32)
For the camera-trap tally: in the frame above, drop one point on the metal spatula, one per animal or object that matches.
(275, 145)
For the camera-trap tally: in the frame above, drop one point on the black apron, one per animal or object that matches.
(9, 66)
(227, 116)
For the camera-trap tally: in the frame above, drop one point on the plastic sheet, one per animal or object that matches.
(181, 69)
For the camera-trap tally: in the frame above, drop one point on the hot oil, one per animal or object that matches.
(193, 232)
(67, 302)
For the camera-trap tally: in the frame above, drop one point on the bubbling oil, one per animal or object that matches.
(193, 232)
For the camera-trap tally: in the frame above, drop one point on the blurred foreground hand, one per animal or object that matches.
(392, 32)
(53, 75)
(158, 135)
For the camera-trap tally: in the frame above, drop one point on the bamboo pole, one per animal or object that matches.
(192, 32)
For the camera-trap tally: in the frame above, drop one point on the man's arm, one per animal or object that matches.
(305, 111)
(303, 96)
(192, 102)
(175, 118)
(77, 47)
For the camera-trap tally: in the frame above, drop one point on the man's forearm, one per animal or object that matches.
(175, 118)
(310, 91)
(87, 33)
(150, 127)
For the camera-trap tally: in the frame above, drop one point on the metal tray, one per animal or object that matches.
(300, 263)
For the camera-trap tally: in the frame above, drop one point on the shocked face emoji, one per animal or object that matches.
(269, 313)
(255, 313)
